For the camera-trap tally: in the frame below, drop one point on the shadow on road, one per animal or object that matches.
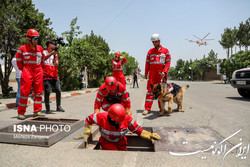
(29, 116)
(152, 114)
(238, 98)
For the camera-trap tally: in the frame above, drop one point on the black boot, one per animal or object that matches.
(59, 108)
(48, 111)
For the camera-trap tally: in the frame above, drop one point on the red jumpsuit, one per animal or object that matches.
(157, 61)
(117, 70)
(112, 138)
(30, 62)
(104, 99)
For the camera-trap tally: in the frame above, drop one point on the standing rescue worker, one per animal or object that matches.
(112, 92)
(50, 76)
(157, 66)
(117, 66)
(30, 60)
(113, 126)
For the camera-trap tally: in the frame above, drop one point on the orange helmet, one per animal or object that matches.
(32, 33)
(118, 54)
(111, 83)
(117, 112)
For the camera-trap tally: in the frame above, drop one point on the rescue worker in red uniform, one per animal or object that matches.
(157, 66)
(111, 92)
(117, 66)
(30, 60)
(50, 76)
(113, 126)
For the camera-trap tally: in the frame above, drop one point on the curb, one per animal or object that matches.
(7, 106)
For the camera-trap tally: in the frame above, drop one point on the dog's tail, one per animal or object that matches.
(184, 88)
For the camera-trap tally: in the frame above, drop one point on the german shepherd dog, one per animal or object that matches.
(168, 92)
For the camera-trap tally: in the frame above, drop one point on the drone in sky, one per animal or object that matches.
(201, 41)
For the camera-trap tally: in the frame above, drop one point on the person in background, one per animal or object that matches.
(18, 79)
(117, 65)
(50, 76)
(83, 82)
(135, 79)
(81, 79)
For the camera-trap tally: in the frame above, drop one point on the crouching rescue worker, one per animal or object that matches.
(112, 92)
(113, 126)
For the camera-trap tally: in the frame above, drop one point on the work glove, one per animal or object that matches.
(85, 134)
(128, 111)
(149, 136)
(122, 56)
(97, 111)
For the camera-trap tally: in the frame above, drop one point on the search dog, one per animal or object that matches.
(168, 93)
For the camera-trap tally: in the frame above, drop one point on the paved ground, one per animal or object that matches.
(211, 105)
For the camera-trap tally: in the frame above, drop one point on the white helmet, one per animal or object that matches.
(155, 37)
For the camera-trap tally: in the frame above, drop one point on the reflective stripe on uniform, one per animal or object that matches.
(124, 92)
(38, 95)
(48, 63)
(113, 132)
(23, 105)
(149, 100)
(131, 123)
(156, 62)
(95, 118)
(37, 102)
(122, 134)
(88, 119)
(117, 69)
(97, 99)
(168, 59)
(22, 97)
(106, 137)
(100, 93)
(135, 129)
(19, 51)
(106, 105)
(19, 59)
(31, 62)
(28, 53)
(149, 93)
(125, 99)
(153, 55)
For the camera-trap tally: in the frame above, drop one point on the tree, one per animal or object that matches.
(131, 64)
(227, 40)
(73, 32)
(16, 17)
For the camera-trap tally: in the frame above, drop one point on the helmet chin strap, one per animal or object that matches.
(113, 123)
(30, 43)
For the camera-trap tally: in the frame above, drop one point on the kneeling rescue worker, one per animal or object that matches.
(113, 126)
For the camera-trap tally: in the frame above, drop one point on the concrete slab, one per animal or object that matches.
(184, 139)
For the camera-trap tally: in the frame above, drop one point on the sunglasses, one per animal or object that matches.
(35, 39)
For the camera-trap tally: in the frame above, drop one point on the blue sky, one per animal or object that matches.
(127, 25)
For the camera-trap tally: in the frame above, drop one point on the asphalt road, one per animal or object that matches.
(209, 105)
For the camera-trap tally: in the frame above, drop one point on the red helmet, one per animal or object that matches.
(32, 33)
(117, 112)
(111, 83)
(118, 54)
